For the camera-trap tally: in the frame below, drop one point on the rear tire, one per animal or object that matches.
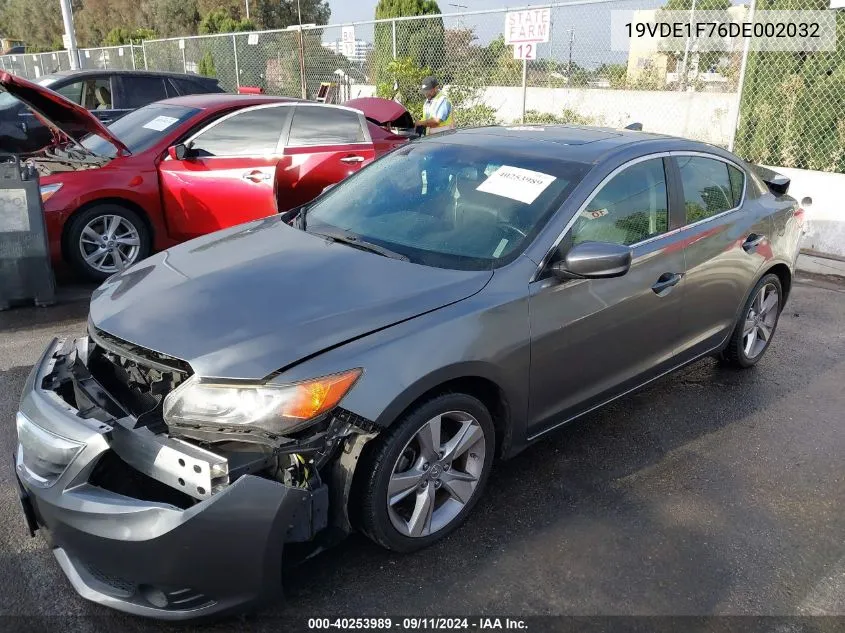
(104, 239)
(414, 493)
(757, 324)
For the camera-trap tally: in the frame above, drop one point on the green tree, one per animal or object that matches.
(97, 19)
(219, 21)
(614, 73)
(279, 14)
(119, 36)
(535, 117)
(170, 18)
(404, 77)
(39, 24)
(793, 104)
(421, 41)
(700, 5)
(206, 66)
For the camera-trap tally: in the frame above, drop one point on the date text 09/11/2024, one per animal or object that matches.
(723, 29)
(422, 624)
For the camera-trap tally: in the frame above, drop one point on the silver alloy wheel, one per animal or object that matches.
(109, 243)
(436, 474)
(760, 321)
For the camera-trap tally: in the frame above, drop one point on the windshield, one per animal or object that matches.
(448, 205)
(141, 129)
(7, 100)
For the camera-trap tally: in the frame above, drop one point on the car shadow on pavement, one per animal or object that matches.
(631, 509)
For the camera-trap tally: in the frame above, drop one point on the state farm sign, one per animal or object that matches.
(531, 26)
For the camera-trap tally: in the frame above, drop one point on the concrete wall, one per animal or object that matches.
(825, 226)
(705, 116)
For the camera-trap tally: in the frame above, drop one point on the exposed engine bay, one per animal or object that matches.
(122, 388)
(64, 157)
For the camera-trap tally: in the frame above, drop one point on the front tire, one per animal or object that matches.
(427, 472)
(756, 327)
(105, 239)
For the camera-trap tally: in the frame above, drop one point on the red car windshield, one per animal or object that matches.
(141, 129)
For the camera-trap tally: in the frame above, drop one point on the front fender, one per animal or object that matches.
(485, 336)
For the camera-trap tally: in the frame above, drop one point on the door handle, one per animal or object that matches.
(352, 159)
(752, 242)
(665, 282)
(256, 176)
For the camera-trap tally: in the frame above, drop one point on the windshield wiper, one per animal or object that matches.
(356, 242)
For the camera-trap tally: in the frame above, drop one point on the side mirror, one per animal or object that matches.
(594, 260)
(179, 152)
(806, 201)
(327, 187)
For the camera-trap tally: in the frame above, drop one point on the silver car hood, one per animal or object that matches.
(248, 301)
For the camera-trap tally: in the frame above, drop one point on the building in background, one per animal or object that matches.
(10, 45)
(651, 67)
(361, 50)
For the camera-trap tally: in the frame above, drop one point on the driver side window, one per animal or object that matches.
(630, 208)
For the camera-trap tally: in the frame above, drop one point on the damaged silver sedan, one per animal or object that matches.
(359, 362)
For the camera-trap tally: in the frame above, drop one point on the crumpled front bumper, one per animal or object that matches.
(148, 558)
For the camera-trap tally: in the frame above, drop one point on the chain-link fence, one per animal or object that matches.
(36, 65)
(793, 104)
(793, 108)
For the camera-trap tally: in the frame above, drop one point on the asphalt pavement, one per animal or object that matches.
(712, 492)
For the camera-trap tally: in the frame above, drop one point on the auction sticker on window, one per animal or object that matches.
(160, 123)
(516, 183)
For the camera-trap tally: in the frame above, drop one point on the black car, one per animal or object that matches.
(359, 362)
(109, 94)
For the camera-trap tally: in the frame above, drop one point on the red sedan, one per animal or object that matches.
(184, 167)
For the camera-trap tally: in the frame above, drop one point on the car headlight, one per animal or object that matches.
(48, 191)
(42, 455)
(273, 408)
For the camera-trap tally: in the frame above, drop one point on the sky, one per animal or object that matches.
(356, 10)
(590, 23)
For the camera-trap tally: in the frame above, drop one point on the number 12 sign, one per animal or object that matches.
(525, 51)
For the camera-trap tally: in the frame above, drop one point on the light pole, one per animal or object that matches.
(682, 79)
(461, 18)
(246, 2)
(70, 35)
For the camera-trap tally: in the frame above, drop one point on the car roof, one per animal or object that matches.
(577, 143)
(128, 73)
(222, 99)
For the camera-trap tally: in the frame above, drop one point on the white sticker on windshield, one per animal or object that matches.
(500, 248)
(516, 183)
(160, 123)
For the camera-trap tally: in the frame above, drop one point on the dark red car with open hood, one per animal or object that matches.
(183, 167)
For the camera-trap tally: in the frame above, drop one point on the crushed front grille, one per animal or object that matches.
(138, 379)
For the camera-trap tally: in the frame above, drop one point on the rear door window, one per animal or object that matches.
(184, 87)
(72, 92)
(708, 189)
(316, 125)
(139, 91)
(92, 93)
(737, 184)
